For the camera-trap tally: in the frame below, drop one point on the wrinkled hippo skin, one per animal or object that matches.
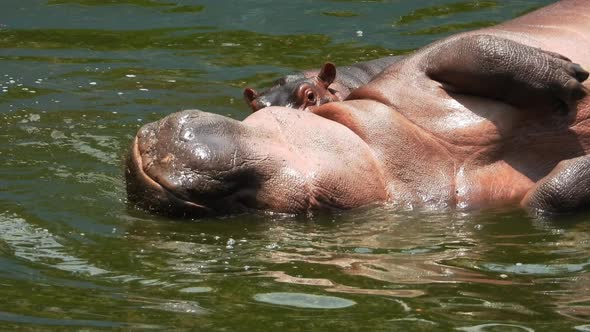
(494, 117)
(314, 88)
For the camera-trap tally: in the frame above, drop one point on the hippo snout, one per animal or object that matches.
(190, 163)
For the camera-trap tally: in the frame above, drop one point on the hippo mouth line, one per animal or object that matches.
(136, 169)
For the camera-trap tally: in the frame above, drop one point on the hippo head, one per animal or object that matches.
(188, 163)
(193, 163)
(296, 91)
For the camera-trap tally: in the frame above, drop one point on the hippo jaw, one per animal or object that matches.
(146, 193)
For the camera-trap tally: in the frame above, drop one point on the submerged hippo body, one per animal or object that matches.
(484, 118)
(315, 88)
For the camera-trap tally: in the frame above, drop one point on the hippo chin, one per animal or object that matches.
(492, 117)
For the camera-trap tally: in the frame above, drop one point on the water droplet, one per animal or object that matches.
(272, 246)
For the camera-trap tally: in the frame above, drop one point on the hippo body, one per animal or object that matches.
(313, 88)
(485, 118)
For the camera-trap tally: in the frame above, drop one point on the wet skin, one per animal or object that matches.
(486, 118)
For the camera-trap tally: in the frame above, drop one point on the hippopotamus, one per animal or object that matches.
(313, 88)
(495, 117)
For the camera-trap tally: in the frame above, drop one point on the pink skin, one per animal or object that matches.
(402, 139)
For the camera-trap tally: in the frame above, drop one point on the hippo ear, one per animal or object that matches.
(250, 94)
(327, 74)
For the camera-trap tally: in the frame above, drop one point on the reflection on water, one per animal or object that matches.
(428, 267)
(38, 245)
(79, 77)
(300, 300)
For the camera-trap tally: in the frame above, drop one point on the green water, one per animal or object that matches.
(78, 78)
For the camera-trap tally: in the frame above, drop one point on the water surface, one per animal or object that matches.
(78, 78)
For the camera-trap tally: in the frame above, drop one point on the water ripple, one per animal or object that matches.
(40, 246)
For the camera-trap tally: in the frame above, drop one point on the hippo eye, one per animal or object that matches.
(310, 96)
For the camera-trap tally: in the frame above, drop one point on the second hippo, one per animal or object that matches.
(315, 88)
